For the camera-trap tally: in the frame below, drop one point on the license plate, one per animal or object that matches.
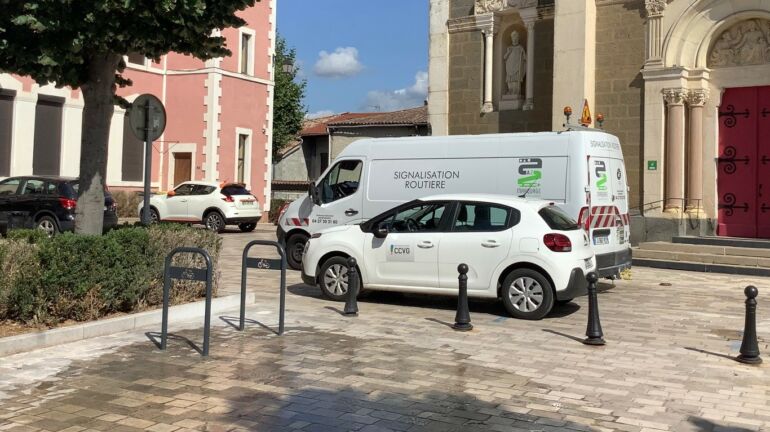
(247, 202)
(621, 235)
(601, 241)
(589, 266)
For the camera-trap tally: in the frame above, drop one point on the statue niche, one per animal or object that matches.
(745, 43)
(514, 70)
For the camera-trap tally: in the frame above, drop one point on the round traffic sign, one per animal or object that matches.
(147, 115)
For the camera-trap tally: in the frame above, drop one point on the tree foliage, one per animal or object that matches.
(288, 110)
(81, 44)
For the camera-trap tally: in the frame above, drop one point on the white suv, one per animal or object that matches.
(214, 205)
(529, 253)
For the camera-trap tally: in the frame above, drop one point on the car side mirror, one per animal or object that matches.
(381, 231)
(313, 192)
(170, 193)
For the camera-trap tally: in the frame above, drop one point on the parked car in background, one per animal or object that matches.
(214, 205)
(530, 254)
(45, 202)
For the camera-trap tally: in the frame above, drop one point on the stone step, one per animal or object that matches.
(702, 256)
(706, 249)
(701, 267)
(724, 241)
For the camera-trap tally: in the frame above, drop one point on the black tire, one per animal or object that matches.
(338, 266)
(247, 226)
(532, 298)
(214, 221)
(295, 245)
(154, 216)
(48, 225)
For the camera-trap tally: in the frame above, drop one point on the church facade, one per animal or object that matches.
(684, 84)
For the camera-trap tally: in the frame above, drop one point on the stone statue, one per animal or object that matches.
(746, 43)
(515, 65)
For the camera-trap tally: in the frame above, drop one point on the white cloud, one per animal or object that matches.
(343, 62)
(409, 97)
(319, 114)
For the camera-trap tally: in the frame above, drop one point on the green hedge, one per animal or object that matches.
(70, 277)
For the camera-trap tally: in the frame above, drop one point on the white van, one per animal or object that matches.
(582, 171)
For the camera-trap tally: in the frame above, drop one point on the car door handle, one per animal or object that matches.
(425, 245)
(183, 201)
(490, 244)
(351, 212)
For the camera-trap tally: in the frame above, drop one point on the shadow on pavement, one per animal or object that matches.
(234, 322)
(425, 301)
(568, 336)
(704, 425)
(154, 337)
(710, 353)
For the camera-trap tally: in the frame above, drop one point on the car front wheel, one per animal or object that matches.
(214, 222)
(294, 248)
(527, 294)
(333, 278)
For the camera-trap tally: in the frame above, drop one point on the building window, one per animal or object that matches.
(137, 59)
(47, 142)
(243, 140)
(246, 54)
(324, 163)
(132, 159)
(6, 131)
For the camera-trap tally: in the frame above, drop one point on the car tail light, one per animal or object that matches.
(68, 204)
(228, 198)
(557, 242)
(583, 218)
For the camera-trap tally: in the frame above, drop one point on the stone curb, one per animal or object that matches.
(177, 314)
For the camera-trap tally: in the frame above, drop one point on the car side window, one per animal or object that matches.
(9, 186)
(184, 190)
(33, 187)
(51, 188)
(423, 217)
(341, 181)
(203, 190)
(480, 217)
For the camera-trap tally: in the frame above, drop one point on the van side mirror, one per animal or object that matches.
(381, 231)
(313, 192)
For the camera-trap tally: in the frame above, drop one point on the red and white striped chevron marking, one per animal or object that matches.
(298, 221)
(602, 217)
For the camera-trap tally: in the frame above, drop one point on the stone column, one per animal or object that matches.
(696, 99)
(489, 43)
(654, 16)
(674, 162)
(530, 88)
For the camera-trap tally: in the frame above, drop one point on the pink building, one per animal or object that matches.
(219, 125)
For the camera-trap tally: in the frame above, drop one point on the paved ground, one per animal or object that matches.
(398, 366)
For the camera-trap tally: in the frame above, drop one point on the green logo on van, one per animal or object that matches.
(601, 175)
(531, 170)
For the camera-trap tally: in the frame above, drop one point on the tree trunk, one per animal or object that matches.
(98, 95)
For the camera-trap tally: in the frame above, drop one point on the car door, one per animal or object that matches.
(8, 192)
(480, 237)
(177, 203)
(408, 255)
(200, 199)
(31, 200)
(340, 195)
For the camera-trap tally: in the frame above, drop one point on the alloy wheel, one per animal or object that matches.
(526, 294)
(214, 222)
(336, 279)
(47, 226)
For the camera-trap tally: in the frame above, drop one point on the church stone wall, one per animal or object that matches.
(466, 80)
(620, 45)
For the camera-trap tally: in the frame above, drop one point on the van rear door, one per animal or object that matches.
(603, 217)
(620, 197)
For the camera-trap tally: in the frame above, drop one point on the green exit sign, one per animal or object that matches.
(652, 165)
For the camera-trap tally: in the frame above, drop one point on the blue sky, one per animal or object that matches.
(358, 55)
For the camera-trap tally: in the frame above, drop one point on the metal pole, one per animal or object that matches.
(207, 318)
(463, 316)
(594, 327)
(282, 310)
(147, 164)
(166, 289)
(749, 345)
(243, 288)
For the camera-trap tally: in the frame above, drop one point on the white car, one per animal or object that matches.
(212, 204)
(529, 253)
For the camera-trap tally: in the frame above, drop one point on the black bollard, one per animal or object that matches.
(463, 316)
(351, 304)
(749, 346)
(594, 328)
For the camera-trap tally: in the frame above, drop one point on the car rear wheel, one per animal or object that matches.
(294, 248)
(154, 216)
(333, 278)
(48, 225)
(247, 227)
(527, 294)
(214, 221)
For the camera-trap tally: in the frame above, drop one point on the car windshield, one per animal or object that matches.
(235, 189)
(557, 219)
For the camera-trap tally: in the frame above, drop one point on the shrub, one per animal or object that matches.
(275, 206)
(31, 236)
(86, 277)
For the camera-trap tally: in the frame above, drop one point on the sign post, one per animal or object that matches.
(147, 117)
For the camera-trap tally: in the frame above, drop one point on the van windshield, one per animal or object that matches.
(341, 181)
(557, 219)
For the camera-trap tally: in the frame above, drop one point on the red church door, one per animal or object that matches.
(743, 176)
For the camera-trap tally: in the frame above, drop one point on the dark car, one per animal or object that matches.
(47, 203)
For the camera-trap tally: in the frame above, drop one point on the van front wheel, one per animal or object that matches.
(294, 248)
(527, 294)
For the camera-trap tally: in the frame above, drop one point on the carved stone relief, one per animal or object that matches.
(743, 44)
(655, 8)
(487, 6)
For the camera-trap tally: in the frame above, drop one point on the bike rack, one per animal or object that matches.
(187, 273)
(264, 264)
